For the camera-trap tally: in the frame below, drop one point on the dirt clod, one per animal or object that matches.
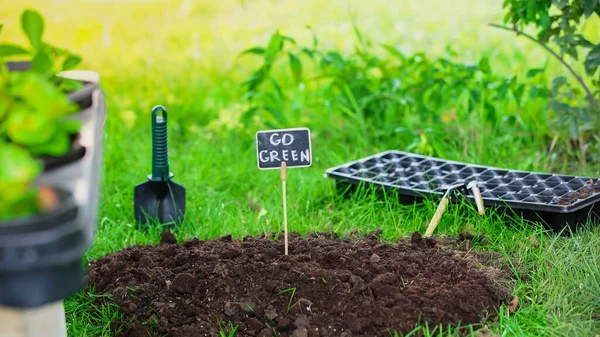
(590, 187)
(514, 304)
(325, 287)
(301, 322)
(283, 323)
(266, 332)
(485, 332)
(300, 332)
(415, 237)
(247, 305)
(466, 236)
(352, 322)
(183, 283)
(254, 325)
(120, 293)
(168, 238)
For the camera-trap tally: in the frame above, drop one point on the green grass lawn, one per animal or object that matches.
(183, 55)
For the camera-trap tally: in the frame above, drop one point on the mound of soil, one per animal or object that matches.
(326, 286)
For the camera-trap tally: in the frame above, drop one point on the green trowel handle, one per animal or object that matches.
(160, 150)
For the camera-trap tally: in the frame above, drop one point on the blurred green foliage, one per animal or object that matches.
(34, 111)
(387, 91)
(391, 92)
(558, 28)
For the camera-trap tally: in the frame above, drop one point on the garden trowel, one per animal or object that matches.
(159, 199)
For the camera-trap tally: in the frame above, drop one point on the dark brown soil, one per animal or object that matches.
(589, 188)
(326, 286)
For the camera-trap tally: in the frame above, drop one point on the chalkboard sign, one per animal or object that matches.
(291, 146)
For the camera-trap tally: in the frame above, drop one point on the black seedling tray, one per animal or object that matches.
(554, 199)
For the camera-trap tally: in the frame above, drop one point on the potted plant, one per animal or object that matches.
(51, 129)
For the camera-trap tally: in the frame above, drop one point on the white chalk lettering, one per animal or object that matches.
(286, 139)
(273, 141)
(274, 156)
(264, 159)
(284, 154)
(294, 155)
(304, 155)
(290, 139)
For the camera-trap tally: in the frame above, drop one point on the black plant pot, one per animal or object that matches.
(40, 255)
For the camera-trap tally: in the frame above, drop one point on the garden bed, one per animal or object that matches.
(327, 286)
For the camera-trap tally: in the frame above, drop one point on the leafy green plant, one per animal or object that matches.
(15, 179)
(558, 26)
(34, 114)
(268, 100)
(46, 59)
(386, 92)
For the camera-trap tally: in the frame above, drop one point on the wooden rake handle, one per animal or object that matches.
(478, 200)
(437, 217)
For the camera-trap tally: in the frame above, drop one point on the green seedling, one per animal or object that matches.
(269, 326)
(222, 329)
(293, 290)
(132, 292)
(152, 322)
(323, 280)
(230, 334)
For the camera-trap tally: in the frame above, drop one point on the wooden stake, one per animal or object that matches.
(477, 195)
(285, 229)
(437, 217)
(478, 200)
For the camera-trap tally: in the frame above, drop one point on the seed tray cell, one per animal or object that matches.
(555, 199)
